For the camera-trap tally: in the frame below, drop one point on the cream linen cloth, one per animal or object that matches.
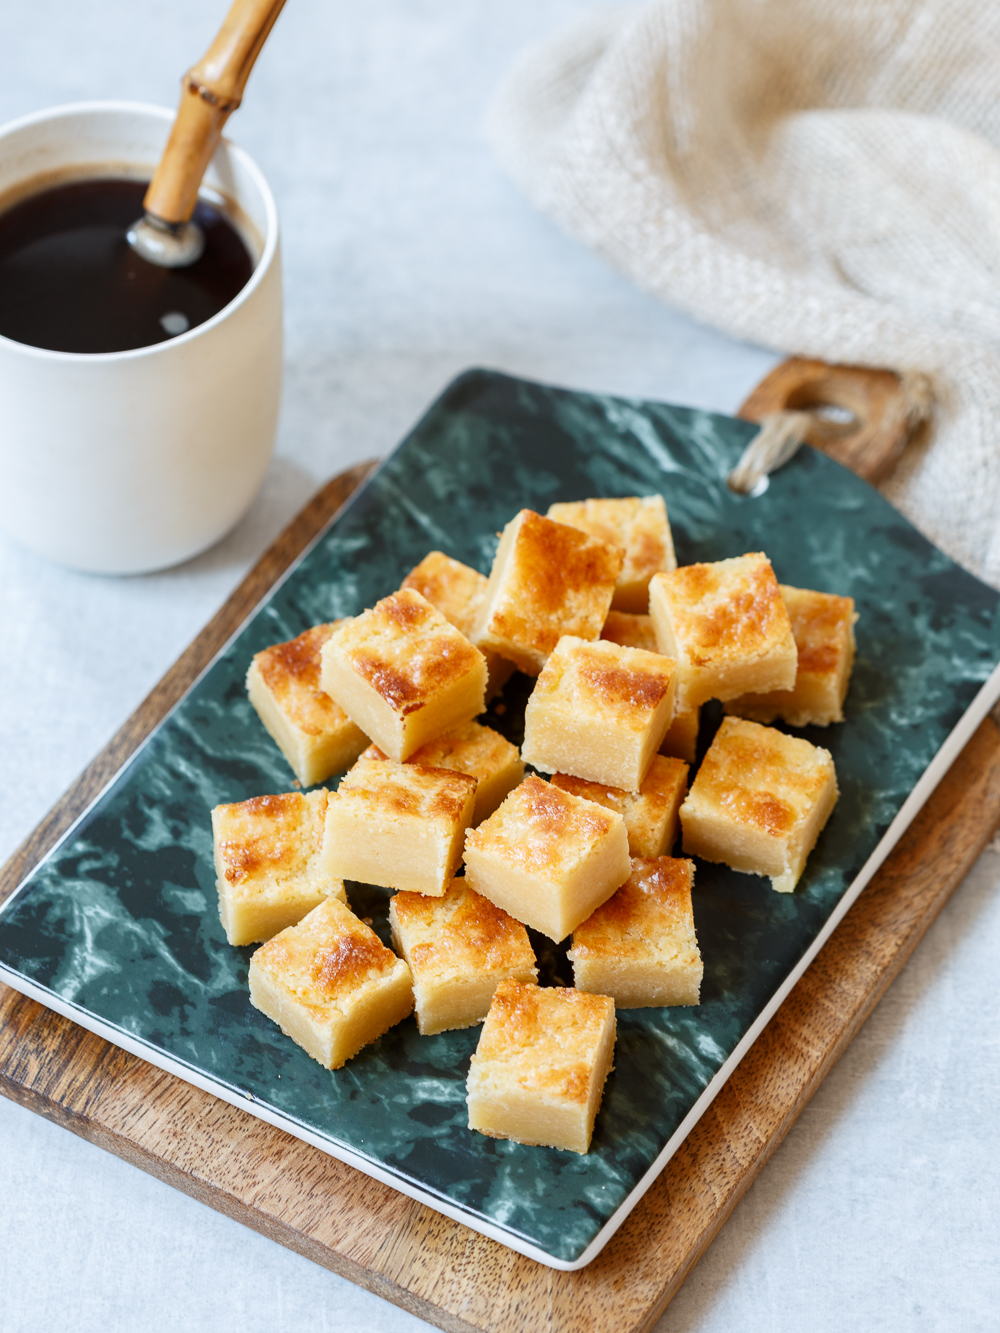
(820, 176)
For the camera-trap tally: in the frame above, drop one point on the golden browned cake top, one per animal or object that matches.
(459, 934)
(556, 581)
(612, 798)
(757, 776)
(406, 651)
(455, 589)
(473, 749)
(291, 671)
(542, 830)
(327, 956)
(638, 526)
(624, 685)
(631, 631)
(650, 914)
(269, 836)
(656, 795)
(383, 788)
(823, 627)
(729, 609)
(545, 1039)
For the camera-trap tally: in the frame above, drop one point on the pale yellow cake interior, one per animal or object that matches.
(823, 626)
(478, 751)
(330, 984)
(639, 527)
(547, 580)
(599, 711)
(539, 1070)
(681, 740)
(458, 591)
(651, 815)
(398, 825)
(313, 733)
(459, 948)
(640, 946)
(726, 626)
(403, 674)
(759, 802)
(548, 858)
(636, 631)
(268, 863)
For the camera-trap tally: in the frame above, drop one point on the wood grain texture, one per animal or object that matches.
(399, 1249)
(881, 427)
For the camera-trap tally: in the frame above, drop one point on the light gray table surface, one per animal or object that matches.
(408, 257)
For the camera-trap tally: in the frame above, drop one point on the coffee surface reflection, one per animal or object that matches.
(70, 282)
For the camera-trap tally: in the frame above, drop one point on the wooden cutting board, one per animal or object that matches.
(397, 1248)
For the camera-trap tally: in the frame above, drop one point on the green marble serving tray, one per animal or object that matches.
(118, 928)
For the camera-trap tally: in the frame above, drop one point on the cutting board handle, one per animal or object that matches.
(862, 417)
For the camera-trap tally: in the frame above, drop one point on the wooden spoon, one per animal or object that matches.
(211, 92)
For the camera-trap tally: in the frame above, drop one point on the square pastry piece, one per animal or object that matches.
(313, 733)
(459, 948)
(547, 580)
(398, 825)
(636, 631)
(404, 674)
(330, 984)
(651, 814)
(823, 626)
(639, 527)
(548, 858)
(268, 863)
(599, 711)
(539, 1070)
(457, 591)
(640, 947)
(481, 753)
(727, 627)
(759, 802)
(681, 740)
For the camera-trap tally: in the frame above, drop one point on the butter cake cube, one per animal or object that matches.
(681, 740)
(651, 814)
(538, 1073)
(478, 751)
(403, 673)
(398, 825)
(639, 527)
(313, 733)
(457, 591)
(459, 948)
(726, 626)
(599, 711)
(330, 984)
(640, 947)
(631, 629)
(268, 863)
(823, 626)
(759, 802)
(636, 631)
(547, 580)
(548, 858)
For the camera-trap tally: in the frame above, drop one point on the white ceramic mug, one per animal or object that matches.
(125, 462)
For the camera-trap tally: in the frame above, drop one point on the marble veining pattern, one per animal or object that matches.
(122, 919)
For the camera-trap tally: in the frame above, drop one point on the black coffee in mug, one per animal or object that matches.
(70, 281)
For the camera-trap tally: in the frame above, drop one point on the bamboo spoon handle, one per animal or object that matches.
(211, 91)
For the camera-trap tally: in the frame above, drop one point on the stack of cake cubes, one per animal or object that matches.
(625, 648)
